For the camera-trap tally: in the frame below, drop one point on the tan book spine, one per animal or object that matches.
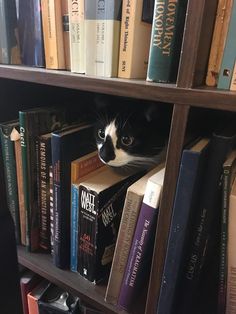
(218, 41)
(231, 278)
(66, 34)
(53, 34)
(233, 80)
(135, 37)
(19, 172)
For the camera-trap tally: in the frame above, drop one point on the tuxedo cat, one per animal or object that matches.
(134, 137)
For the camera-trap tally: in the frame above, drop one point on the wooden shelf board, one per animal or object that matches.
(42, 264)
(199, 97)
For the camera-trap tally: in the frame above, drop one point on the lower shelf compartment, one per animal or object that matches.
(41, 264)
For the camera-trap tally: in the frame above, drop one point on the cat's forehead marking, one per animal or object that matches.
(111, 131)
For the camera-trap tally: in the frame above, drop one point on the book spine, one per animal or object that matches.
(227, 65)
(126, 231)
(233, 80)
(66, 33)
(8, 153)
(74, 227)
(53, 34)
(166, 40)
(231, 256)
(77, 35)
(44, 197)
(88, 228)
(51, 208)
(139, 256)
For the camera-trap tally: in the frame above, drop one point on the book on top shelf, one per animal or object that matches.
(136, 25)
(191, 173)
(102, 40)
(132, 205)
(101, 200)
(166, 40)
(218, 41)
(53, 34)
(9, 44)
(67, 145)
(140, 255)
(66, 32)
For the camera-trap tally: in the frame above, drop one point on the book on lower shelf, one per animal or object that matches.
(132, 205)
(140, 255)
(101, 200)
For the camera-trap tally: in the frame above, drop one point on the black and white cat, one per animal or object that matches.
(134, 137)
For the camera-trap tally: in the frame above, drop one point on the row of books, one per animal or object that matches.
(221, 70)
(126, 39)
(198, 275)
(65, 201)
(39, 296)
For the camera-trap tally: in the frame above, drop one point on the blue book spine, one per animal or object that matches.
(74, 227)
(227, 65)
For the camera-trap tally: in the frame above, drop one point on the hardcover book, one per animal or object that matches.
(101, 200)
(166, 40)
(77, 35)
(203, 252)
(231, 254)
(67, 145)
(229, 170)
(228, 60)
(136, 25)
(132, 205)
(31, 33)
(66, 33)
(218, 41)
(192, 169)
(34, 296)
(140, 255)
(53, 34)
(34, 122)
(79, 169)
(8, 153)
(102, 29)
(9, 45)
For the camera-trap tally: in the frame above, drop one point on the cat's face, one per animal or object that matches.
(129, 139)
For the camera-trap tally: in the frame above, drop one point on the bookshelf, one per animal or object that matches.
(188, 93)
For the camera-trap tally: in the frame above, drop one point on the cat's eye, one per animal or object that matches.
(127, 140)
(101, 134)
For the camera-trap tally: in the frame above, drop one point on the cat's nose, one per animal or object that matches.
(107, 151)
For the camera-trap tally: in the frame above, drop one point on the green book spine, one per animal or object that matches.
(227, 65)
(166, 40)
(8, 153)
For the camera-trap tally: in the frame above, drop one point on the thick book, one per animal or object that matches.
(66, 33)
(79, 169)
(227, 65)
(136, 26)
(140, 255)
(67, 145)
(102, 28)
(53, 34)
(231, 253)
(9, 44)
(34, 122)
(101, 200)
(192, 168)
(166, 40)
(132, 205)
(34, 296)
(9, 160)
(77, 35)
(31, 33)
(218, 41)
(203, 252)
(229, 171)
(45, 161)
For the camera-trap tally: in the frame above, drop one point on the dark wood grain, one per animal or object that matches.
(42, 264)
(199, 97)
(178, 126)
